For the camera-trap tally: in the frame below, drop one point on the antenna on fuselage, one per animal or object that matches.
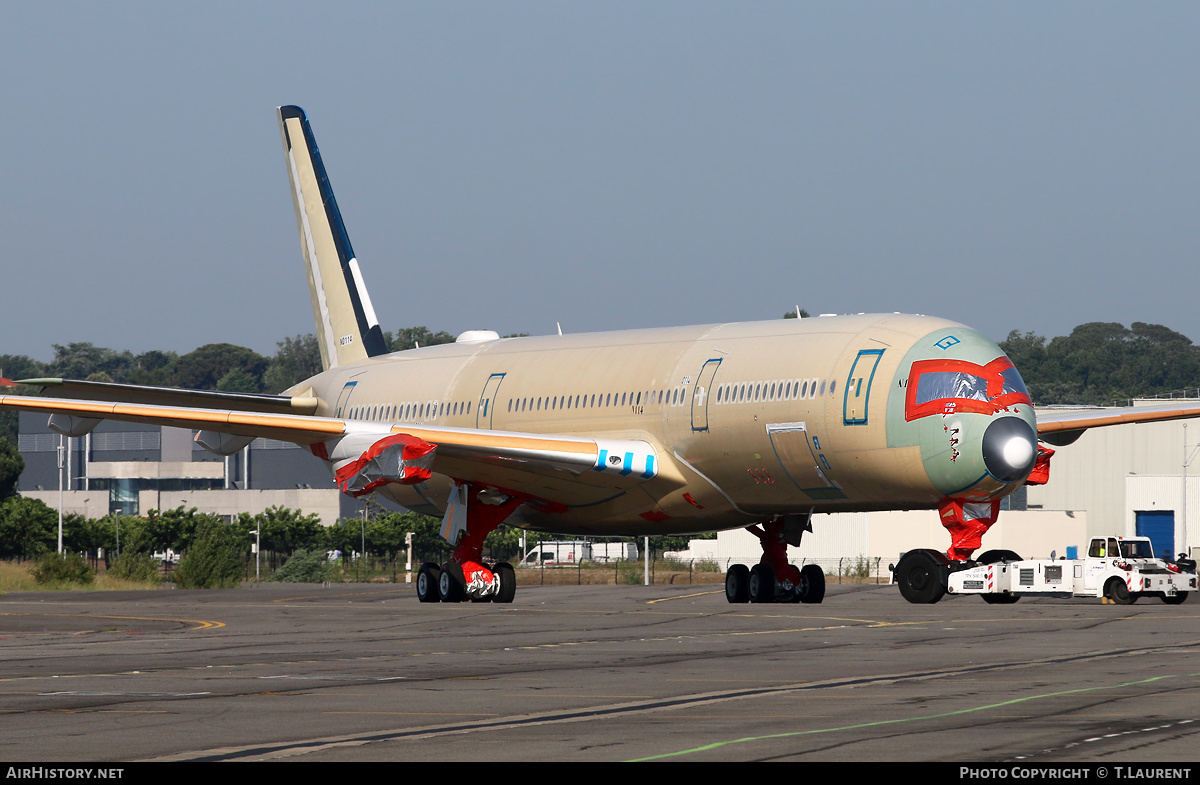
(798, 316)
(559, 325)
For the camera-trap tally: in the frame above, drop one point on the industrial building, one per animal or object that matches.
(129, 468)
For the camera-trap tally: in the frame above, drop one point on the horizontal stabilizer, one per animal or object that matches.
(79, 389)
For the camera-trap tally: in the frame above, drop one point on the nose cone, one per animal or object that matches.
(959, 398)
(1009, 449)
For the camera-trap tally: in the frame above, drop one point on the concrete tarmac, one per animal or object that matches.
(592, 673)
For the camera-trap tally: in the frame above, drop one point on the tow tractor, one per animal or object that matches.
(1120, 570)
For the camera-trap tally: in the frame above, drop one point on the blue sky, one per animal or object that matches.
(505, 166)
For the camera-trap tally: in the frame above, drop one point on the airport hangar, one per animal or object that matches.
(1124, 480)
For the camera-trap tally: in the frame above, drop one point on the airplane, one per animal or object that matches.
(678, 430)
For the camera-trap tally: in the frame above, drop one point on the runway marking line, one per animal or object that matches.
(684, 596)
(201, 623)
(417, 713)
(878, 723)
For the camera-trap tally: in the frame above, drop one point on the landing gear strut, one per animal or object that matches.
(465, 577)
(774, 579)
(922, 574)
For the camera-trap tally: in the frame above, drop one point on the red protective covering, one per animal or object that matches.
(990, 373)
(966, 521)
(482, 520)
(400, 459)
(774, 546)
(1041, 468)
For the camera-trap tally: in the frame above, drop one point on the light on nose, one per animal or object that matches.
(1009, 449)
(1017, 451)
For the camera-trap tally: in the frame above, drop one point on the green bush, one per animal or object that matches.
(136, 567)
(305, 567)
(214, 560)
(63, 568)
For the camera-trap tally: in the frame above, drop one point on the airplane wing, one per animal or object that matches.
(1066, 426)
(538, 465)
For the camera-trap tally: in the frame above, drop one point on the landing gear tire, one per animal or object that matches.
(508, 582)
(452, 584)
(1119, 593)
(1177, 599)
(762, 583)
(427, 583)
(812, 584)
(921, 577)
(1000, 599)
(737, 583)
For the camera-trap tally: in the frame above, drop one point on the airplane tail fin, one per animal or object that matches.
(347, 329)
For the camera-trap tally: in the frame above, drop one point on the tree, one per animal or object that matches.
(28, 528)
(410, 337)
(151, 368)
(284, 530)
(296, 359)
(81, 360)
(238, 380)
(792, 314)
(11, 466)
(1100, 362)
(18, 366)
(203, 368)
(214, 559)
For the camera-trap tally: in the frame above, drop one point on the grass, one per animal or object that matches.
(19, 577)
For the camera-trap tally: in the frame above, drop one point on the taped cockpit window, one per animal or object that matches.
(949, 386)
(935, 385)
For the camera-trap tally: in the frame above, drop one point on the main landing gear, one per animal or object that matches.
(466, 576)
(774, 579)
